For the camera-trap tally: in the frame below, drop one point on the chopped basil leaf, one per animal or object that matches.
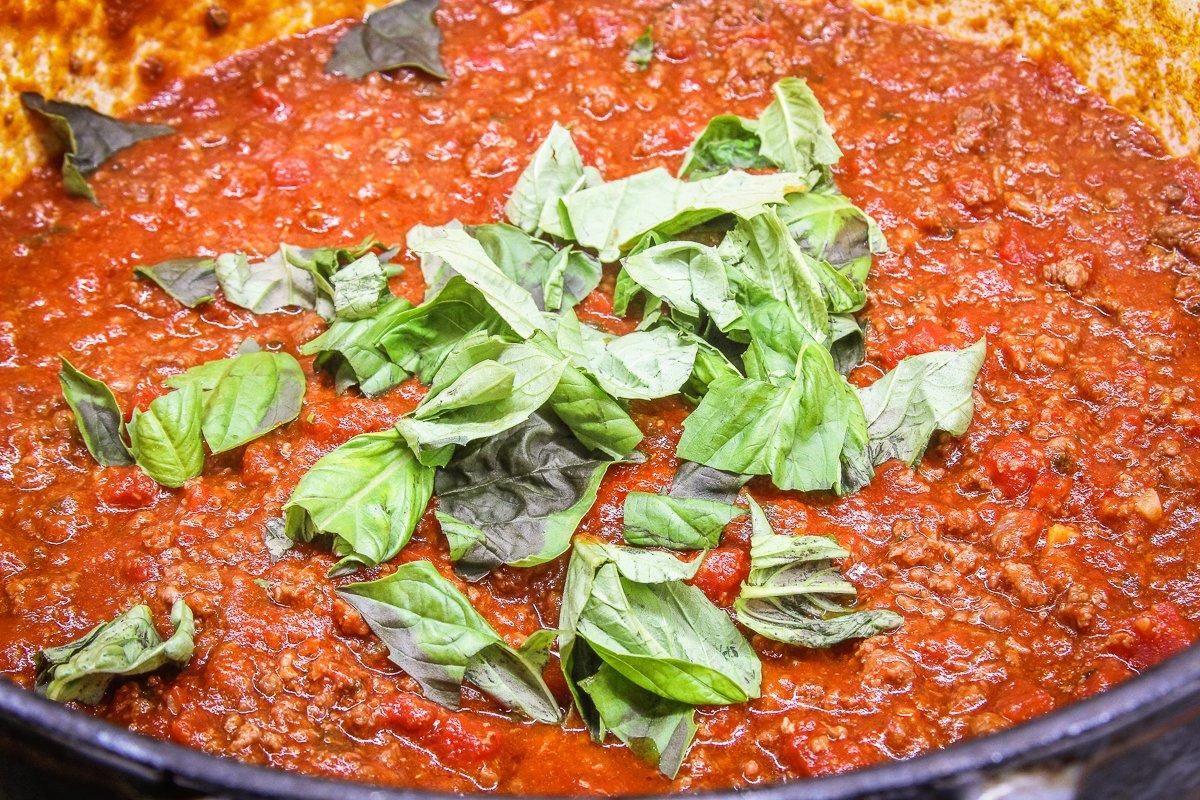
(516, 498)
(128, 645)
(351, 351)
(434, 425)
(690, 277)
(795, 595)
(450, 247)
(642, 365)
(728, 142)
(847, 342)
(245, 396)
(807, 431)
(97, 415)
(360, 289)
(677, 523)
(641, 52)
(830, 228)
(596, 419)
(165, 439)
(613, 216)
(191, 281)
(923, 394)
(368, 494)
(434, 635)
(794, 133)
(87, 137)
(550, 276)
(404, 34)
(554, 171)
(276, 539)
(657, 730)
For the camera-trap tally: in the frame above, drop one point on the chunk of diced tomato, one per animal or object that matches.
(1014, 463)
(721, 574)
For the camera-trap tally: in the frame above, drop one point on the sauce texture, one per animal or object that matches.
(1040, 558)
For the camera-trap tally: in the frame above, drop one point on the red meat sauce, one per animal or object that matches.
(1038, 559)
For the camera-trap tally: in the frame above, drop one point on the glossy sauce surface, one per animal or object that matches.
(1043, 556)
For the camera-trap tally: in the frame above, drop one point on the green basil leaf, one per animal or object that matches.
(360, 289)
(923, 394)
(97, 415)
(451, 247)
(690, 277)
(404, 34)
(699, 482)
(483, 383)
(794, 133)
(87, 137)
(643, 365)
(128, 645)
(711, 365)
(677, 523)
(534, 378)
(594, 417)
(550, 276)
(419, 339)
(795, 595)
(657, 730)
(165, 439)
(268, 285)
(613, 216)
(352, 352)
(641, 52)
(191, 281)
(245, 396)
(807, 432)
(516, 498)
(666, 637)
(830, 228)
(434, 635)
(555, 170)
(727, 143)
(368, 494)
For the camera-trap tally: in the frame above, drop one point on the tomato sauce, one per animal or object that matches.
(1040, 558)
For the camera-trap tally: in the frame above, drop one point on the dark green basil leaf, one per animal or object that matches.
(727, 143)
(848, 344)
(655, 520)
(245, 396)
(794, 594)
(613, 216)
(794, 133)
(641, 52)
(351, 351)
(128, 645)
(657, 730)
(451, 247)
(97, 415)
(165, 439)
(368, 494)
(516, 498)
(404, 34)
(191, 281)
(923, 394)
(87, 137)
(807, 432)
(434, 635)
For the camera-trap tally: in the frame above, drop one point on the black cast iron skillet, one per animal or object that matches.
(1139, 740)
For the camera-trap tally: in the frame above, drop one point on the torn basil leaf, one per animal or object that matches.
(404, 34)
(554, 171)
(728, 142)
(516, 498)
(795, 595)
(245, 396)
(794, 134)
(434, 426)
(642, 365)
(451, 247)
(87, 137)
(360, 289)
(552, 277)
(276, 539)
(923, 394)
(368, 494)
(165, 439)
(128, 645)
(641, 52)
(597, 420)
(656, 520)
(613, 216)
(830, 228)
(97, 415)
(657, 730)
(688, 276)
(806, 431)
(191, 281)
(433, 634)
(847, 342)
(352, 352)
